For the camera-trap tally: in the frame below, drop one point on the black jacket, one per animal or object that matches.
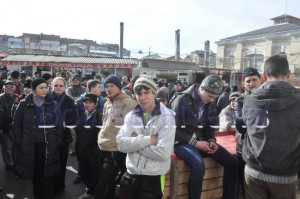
(87, 134)
(188, 121)
(68, 114)
(272, 142)
(6, 104)
(28, 121)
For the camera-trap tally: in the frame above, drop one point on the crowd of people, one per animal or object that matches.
(124, 132)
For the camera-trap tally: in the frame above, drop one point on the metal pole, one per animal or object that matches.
(121, 39)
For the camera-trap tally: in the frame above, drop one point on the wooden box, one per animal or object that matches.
(177, 178)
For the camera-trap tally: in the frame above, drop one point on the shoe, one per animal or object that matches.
(77, 180)
(86, 196)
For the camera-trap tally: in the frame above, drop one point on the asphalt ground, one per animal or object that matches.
(22, 188)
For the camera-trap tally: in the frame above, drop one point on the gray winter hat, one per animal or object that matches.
(212, 84)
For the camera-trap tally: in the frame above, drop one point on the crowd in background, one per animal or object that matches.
(122, 132)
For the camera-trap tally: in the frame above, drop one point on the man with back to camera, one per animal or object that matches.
(195, 138)
(271, 147)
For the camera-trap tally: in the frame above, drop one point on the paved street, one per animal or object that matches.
(22, 189)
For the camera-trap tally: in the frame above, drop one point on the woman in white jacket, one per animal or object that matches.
(147, 137)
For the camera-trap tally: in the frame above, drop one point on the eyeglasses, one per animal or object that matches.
(56, 85)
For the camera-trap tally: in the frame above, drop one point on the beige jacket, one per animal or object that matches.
(113, 119)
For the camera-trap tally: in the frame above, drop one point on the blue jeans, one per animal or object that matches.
(193, 157)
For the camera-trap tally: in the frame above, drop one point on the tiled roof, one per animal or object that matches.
(87, 60)
(280, 28)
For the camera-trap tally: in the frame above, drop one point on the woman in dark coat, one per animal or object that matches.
(68, 118)
(37, 136)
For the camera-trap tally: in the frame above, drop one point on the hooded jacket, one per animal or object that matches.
(272, 143)
(144, 158)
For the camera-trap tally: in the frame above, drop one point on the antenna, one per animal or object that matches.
(285, 10)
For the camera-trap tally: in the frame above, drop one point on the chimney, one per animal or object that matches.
(121, 39)
(206, 53)
(177, 43)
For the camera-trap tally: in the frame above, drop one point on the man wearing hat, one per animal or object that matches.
(251, 80)
(196, 113)
(15, 77)
(226, 116)
(7, 100)
(147, 137)
(178, 88)
(162, 96)
(75, 89)
(118, 104)
(86, 146)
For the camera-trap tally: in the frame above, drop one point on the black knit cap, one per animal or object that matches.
(27, 84)
(91, 97)
(250, 72)
(37, 82)
(212, 84)
(114, 80)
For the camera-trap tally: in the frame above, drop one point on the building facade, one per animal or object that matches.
(43, 44)
(251, 49)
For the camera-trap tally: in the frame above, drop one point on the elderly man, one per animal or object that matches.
(7, 100)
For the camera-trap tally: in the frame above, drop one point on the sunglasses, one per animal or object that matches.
(56, 85)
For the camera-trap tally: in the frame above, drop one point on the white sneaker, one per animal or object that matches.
(86, 196)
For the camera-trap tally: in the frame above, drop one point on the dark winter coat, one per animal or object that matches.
(6, 103)
(28, 121)
(187, 106)
(272, 142)
(68, 114)
(87, 135)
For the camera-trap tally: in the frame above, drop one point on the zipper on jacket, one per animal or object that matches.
(45, 136)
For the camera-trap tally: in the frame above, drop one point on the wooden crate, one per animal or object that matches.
(176, 180)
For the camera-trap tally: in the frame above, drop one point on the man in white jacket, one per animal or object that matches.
(147, 137)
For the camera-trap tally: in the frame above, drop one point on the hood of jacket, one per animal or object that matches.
(276, 95)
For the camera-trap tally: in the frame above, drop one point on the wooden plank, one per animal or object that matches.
(174, 179)
(209, 163)
(209, 173)
(213, 172)
(167, 180)
(211, 194)
(210, 184)
(177, 178)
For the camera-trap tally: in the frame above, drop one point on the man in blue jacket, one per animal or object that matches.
(196, 116)
(271, 148)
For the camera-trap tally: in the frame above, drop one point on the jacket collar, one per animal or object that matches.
(30, 103)
(139, 110)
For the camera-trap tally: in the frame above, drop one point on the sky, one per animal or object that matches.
(149, 26)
